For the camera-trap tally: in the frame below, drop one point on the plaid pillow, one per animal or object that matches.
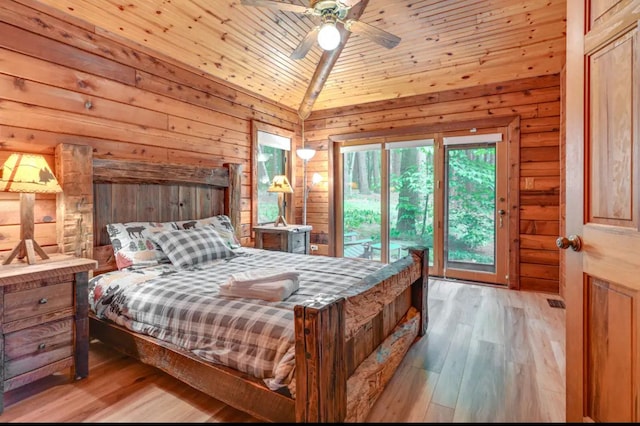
(191, 246)
(134, 248)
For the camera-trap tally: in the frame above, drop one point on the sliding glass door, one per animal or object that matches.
(447, 193)
(387, 199)
(411, 183)
(362, 201)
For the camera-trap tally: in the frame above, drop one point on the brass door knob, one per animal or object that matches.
(572, 241)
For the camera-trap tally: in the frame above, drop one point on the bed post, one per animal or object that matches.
(232, 195)
(420, 289)
(321, 374)
(74, 206)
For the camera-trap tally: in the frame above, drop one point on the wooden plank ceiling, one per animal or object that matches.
(445, 44)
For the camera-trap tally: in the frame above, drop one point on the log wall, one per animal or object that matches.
(535, 100)
(63, 81)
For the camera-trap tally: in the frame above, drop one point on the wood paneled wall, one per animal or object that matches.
(64, 81)
(535, 100)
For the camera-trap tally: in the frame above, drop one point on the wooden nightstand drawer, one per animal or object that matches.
(298, 243)
(37, 301)
(44, 323)
(35, 347)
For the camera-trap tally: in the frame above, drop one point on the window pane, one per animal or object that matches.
(362, 204)
(470, 208)
(271, 162)
(411, 194)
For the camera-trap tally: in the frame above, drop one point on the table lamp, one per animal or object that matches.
(27, 174)
(280, 184)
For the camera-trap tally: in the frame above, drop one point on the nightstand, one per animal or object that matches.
(44, 324)
(291, 238)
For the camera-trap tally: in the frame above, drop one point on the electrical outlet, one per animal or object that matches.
(314, 247)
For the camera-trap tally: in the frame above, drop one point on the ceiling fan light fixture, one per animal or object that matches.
(329, 36)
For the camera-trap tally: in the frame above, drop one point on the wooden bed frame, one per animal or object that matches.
(336, 338)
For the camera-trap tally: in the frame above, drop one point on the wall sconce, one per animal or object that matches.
(315, 179)
(27, 174)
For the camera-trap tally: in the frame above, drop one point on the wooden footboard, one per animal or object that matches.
(335, 335)
(338, 341)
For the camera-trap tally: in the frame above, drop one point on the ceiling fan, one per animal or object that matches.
(330, 12)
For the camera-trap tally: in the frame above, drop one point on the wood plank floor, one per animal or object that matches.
(490, 355)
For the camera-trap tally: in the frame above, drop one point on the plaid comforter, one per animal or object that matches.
(182, 306)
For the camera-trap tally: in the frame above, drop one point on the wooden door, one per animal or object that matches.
(603, 187)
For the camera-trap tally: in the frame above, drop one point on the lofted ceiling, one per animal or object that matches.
(445, 44)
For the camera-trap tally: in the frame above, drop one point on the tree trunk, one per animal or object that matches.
(348, 182)
(407, 207)
(375, 171)
(363, 177)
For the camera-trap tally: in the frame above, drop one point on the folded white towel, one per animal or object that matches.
(263, 275)
(272, 291)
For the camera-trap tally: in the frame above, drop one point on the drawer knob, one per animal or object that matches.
(43, 301)
(41, 346)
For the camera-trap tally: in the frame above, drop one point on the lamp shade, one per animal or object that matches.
(306, 153)
(280, 183)
(28, 173)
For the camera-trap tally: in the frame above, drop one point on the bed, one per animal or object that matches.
(345, 343)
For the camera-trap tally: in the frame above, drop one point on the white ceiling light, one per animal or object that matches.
(329, 36)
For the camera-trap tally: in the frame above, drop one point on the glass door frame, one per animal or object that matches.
(501, 239)
(511, 126)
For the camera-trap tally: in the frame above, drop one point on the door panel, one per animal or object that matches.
(611, 88)
(611, 261)
(602, 160)
(610, 352)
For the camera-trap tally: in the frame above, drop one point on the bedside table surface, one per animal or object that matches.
(288, 228)
(56, 264)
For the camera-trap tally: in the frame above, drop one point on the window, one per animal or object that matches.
(272, 147)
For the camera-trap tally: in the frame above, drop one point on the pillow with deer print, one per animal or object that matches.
(133, 247)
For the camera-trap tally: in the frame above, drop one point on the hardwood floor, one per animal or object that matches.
(490, 355)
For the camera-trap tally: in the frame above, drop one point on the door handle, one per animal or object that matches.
(572, 241)
(501, 212)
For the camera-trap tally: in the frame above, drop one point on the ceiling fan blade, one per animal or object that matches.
(305, 44)
(349, 3)
(277, 5)
(377, 35)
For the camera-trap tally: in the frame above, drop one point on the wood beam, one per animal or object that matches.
(327, 61)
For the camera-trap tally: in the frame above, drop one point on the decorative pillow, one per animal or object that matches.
(134, 249)
(191, 246)
(132, 246)
(222, 224)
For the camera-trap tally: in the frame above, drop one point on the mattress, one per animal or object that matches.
(183, 307)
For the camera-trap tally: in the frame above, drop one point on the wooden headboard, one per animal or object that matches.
(133, 191)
